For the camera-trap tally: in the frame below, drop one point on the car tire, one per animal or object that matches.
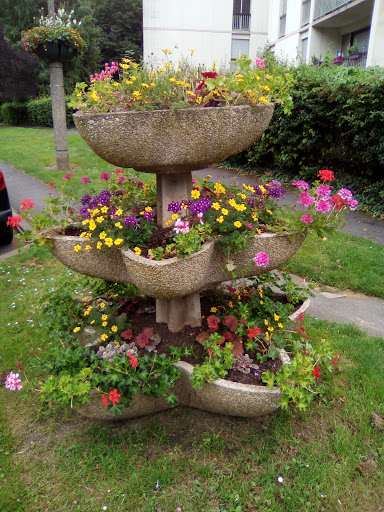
(6, 236)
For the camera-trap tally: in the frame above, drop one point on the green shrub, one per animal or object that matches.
(336, 123)
(32, 113)
(13, 113)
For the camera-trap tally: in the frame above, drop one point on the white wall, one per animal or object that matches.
(259, 26)
(375, 55)
(201, 25)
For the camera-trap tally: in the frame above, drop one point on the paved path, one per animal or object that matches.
(364, 312)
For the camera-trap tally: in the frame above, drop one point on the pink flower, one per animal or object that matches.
(259, 63)
(194, 181)
(105, 176)
(13, 382)
(68, 176)
(306, 199)
(28, 203)
(84, 179)
(307, 219)
(323, 206)
(181, 226)
(353, 204)
(121, 179)
(344, 193)
(323, 191)
(14, 221)
(200, 217)
(261, 259)
(303, 185)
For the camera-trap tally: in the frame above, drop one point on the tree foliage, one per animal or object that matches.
(17, 73)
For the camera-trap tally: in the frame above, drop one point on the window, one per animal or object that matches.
(283, 17)
(305, 12)
(241, 15)
(304, 49)
(239, 46)
(241, 6)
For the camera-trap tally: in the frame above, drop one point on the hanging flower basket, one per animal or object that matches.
(53, 51)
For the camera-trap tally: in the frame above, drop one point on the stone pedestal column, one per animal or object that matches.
(176, 313)
(59, 114)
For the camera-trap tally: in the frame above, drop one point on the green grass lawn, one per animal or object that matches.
(331, 459)
(33, 151)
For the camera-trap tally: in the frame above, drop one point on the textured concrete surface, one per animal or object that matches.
(168, 141)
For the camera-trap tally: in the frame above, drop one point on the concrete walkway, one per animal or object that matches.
(363, 311)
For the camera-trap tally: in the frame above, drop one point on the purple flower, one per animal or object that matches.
(307, 219)
(138, 182)
(353, 204)
(85, 212)
(345, 194)
(251, 201)
(13, 382)
(85, 199)
(149, 215)
(303, 185)
(121, 179)
(276, 190)
(261, 259)
(258, 190)
(84, 179)
(200, 206)
(323, 206)
(174, 207)
(105, 176)
(133, 221)
(306, 199)
(68, 176)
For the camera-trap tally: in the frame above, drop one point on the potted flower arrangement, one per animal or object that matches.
(115, 347)
(55, 38)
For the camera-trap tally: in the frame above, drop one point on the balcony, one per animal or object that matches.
(241, 22)
(324, 7)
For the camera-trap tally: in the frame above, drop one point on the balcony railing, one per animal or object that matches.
(324, 7)
(358, 60)
(241, 22)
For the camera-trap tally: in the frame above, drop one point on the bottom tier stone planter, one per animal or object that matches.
(220, 396)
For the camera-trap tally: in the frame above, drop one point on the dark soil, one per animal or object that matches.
(141, 315)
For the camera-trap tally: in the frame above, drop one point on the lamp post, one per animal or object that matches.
(56, 79)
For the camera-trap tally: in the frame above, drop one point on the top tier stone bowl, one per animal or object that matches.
(173, 141)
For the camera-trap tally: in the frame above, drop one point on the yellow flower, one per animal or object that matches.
(195, 194)
(219, 189)
(268, 211)
(133, 78)
(232, 203)
(118, 241)
(230, 304)
(99, 245)
(263, 99)
(224, 211)
(83, 234)
(267, 336)
(104, 209)
(115, 84)
(175, 216)
(137, 250)
(119, 225)
(266, 88)
(145, 86)
(95, 96)
(99, 219)
(92, 225)
(258, 231)
(168, 222)
(104, 324)
(103, 235)
(166, 51)
(102, 305)
(137, 94)
(119, 211)
(85, 222)
(271, 329)
(79, 94)
(161, 69)
(76, 329)
(88, 247)
(243, 196)
(128, 82)
(255, 217)
(104, 317)
(108, 242)
(216, 206)
(168, 65)
(276, 317)
(104, 337)
(237, 224)
(77, 248)
(213, 310)
(148, 209)
(266, 321)
(280, 325)
(172, 79)
(192, 51)
(114, 328)
(153, 84)
(92, 322)
(220, 219)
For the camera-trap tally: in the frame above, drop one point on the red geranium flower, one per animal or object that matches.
(114, 397)
(316, 372)
(326, 175)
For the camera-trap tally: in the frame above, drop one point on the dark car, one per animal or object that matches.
(6, 232)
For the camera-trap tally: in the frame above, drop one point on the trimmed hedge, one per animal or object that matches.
(32, 113)
(337, 123)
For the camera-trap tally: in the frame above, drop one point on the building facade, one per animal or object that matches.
(351, 30)
(204, 31)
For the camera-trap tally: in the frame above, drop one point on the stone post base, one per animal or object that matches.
(179, 312)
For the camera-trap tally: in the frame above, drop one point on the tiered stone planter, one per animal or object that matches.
(172, 143)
